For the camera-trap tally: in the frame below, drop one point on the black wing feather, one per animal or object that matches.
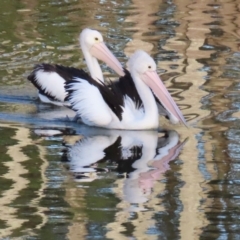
(126, 87)
(112, 98)
(67, 73)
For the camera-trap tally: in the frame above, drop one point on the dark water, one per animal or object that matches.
(85, 183)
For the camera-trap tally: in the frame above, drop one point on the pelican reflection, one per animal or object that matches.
(143, 156)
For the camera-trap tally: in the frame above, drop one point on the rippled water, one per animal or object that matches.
(60, 180)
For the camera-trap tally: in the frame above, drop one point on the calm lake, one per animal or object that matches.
(62, 180)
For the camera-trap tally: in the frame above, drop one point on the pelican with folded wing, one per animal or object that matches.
(98, 105)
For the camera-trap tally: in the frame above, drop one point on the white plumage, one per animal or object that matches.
(50, 79)
(88, 100)
(93, 110)
(53, 84)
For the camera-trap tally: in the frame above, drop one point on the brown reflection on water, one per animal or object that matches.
(188, 41)
(229, 11)
(193, 45)
(190, 37)
(75, 196)
(144, 219)
(216, 29)
(198, 55)
(223, 82)
(36, 201)
(225, 40)
(16, 173)
(142, 16)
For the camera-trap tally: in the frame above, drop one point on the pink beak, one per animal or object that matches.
(101, 52)
(154, 82)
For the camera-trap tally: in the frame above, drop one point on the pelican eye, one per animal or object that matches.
(149, 67)
(96, 38)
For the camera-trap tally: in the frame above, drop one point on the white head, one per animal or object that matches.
(141, 62)
(93, 48)
(142, 65)
(89, 37)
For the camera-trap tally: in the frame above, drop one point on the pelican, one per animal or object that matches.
(99, 106)
(50, 79)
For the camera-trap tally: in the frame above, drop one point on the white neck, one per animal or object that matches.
(150, 118)
(93, 65)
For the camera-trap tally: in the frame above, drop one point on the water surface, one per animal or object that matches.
(60, 180)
